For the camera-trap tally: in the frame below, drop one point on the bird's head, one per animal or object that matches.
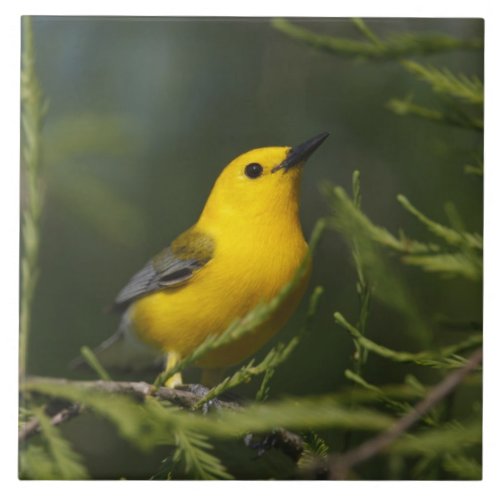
(261, 181)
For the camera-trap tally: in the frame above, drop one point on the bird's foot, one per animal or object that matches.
(201, 391)
(261, 443)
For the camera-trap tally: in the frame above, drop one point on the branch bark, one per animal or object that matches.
(288, 442)
(32, 427)
(137, 390)
(340, 465)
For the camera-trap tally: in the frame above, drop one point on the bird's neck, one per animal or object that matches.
(255, 225)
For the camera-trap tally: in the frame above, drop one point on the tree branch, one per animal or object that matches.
(339, 465)
(288, 442)
(32, 427)
(138, 390)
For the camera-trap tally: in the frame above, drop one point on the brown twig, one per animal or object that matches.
(291, 444)
(138, 390)
(339, 465)
(33, 426)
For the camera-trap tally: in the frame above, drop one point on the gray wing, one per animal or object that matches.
(163, 271)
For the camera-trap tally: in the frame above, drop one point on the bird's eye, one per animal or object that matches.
(253, 170)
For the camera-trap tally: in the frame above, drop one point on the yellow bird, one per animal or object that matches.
(245, 247)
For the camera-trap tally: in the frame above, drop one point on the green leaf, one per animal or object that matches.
(93, 362)
(451, 236)
(363, 287)
(192, 452)
(145, 424)
(449, 264)
(445, 82)
(55, 459)
(294, 414)
(445, 439)
(437, 359)
(275, 357)
(385, 282)
(387, 395)
(315, 448)
(33, 108)
(395, 47)
(36, 463)
(455, 117)
(263, 392)
(474, 170)
(135, 422)
(462, 467)
(192, 447)
(350, 220)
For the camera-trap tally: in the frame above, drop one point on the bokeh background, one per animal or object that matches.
(143, 113)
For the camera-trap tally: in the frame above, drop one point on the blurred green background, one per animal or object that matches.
(145, 112)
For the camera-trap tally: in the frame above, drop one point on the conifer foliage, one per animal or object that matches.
(409, 429)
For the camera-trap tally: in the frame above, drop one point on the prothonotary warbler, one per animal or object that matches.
(246, 246)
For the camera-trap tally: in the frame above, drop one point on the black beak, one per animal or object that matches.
(299, 154)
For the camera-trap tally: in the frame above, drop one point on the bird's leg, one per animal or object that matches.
(209, 378)
(176, 379)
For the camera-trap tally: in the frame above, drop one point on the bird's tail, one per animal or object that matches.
(123, 352)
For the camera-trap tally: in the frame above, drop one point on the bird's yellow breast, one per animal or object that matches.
(251, 264)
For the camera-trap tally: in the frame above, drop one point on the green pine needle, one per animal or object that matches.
(349, 219)
(315, 448)
(193, 451)
(366, 31)
(33, 108)
(263, 392)
(401, 407)
(474, 170)
(55, 459)
(318, 412)
(356, 378)
(375, 48)
(147, 424)
(449, 264)
(445, 82)
(363, 288)
(450, 438)
(440, 446)
(451, 236)
(93, 362)
(457, 118)
(462, 467)
(275, 357)
(438, 359)
(364, 237)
